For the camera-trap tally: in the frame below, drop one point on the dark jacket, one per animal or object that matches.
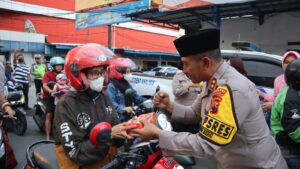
(75, 115)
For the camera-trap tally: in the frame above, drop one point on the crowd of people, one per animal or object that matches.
(217, 111)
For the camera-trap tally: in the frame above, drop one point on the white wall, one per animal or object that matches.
(271, 37)
(22, 36)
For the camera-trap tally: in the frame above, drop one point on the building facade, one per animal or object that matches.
(48, 27)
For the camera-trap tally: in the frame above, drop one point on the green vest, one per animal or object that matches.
(39, 69)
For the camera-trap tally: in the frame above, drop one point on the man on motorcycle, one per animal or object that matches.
(82, 108)
(50, 76)
(120, 76)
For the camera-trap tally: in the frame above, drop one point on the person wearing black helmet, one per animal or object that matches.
(285, 116)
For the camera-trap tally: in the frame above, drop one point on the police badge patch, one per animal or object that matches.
(83, 120)
(220, 124)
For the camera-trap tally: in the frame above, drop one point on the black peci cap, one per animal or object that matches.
(202, 41)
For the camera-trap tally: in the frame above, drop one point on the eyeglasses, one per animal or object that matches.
(94, 74)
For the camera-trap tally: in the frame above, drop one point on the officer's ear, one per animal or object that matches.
(206, 62)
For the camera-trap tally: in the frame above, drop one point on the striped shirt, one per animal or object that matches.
(21, 73)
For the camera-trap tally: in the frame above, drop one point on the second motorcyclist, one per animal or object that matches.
(120, 76)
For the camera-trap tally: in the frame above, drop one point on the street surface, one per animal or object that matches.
(20, 143)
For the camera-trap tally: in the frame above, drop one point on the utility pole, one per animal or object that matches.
(109, 45)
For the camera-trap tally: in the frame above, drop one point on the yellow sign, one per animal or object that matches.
(88, 4)
(220, 124)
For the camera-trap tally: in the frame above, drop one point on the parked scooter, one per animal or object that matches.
(40, 110)
(16, 98)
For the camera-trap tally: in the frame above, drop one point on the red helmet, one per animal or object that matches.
(119, 66)
(82, 57)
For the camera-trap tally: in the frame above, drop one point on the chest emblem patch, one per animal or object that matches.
(83, 120)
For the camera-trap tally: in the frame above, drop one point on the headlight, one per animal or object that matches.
(177, 166)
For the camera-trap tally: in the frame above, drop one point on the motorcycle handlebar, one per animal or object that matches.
(4, 115)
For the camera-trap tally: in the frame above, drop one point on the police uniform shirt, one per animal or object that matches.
(233, 126)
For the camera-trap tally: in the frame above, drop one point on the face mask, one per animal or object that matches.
(97, 84)
(128, 77)
(21, 60)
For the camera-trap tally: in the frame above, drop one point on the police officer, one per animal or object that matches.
(232, 122)
(38, 70)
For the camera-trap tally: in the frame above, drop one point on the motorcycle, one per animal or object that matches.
(40, 110)
(145, 107)
(40, 155)
(15, 96)
(142, 154)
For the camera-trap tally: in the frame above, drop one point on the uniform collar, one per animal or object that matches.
(211, 85)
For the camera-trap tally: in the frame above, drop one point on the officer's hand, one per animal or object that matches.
(148, 132)
(267, 106)
(129, 110)
(10, 111)
(162, 100)
(119, 131)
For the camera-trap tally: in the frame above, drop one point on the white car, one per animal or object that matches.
(162, 71)
(261, 68)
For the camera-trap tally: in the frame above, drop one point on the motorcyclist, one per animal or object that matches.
(11, 161)
(120, 76)
(50, 76)
(285, 116)
(82, 108)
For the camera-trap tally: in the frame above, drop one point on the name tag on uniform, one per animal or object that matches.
(220, 124)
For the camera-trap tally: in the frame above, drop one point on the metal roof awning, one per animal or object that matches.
(139, 54)
(192, 17)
